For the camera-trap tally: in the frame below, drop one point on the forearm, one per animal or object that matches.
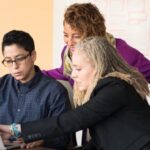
(60, 142)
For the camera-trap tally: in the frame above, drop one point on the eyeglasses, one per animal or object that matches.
(18, 60)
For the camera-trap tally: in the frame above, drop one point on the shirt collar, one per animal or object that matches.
(25, 87)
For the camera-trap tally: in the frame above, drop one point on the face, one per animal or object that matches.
(22, 67)
(71, 37)
(83, 71)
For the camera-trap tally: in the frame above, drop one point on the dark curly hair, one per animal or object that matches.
(85, 18)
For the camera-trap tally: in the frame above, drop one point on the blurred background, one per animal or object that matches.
(127, 19)
(33, 16)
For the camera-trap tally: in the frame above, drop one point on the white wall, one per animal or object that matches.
(128, 19)
(32, 16)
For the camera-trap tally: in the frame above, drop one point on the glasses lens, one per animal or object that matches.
(18, 61)
(7, 63)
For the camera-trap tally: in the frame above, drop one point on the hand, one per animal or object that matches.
(18, 141)
(5, 136)
(5, 129)
(5, 132)
(32, 144)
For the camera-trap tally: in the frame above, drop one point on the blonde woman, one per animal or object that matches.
(110, 97)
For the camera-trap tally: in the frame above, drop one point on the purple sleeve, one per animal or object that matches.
(57, 73)
(134, 58)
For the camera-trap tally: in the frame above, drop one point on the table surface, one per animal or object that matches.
(36, 148)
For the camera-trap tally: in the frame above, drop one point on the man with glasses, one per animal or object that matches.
(26, 94)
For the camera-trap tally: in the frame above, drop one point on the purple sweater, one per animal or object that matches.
(130, 54)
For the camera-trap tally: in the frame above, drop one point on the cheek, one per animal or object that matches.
(26, 68)
(10, 70)
(91, 76)
(76, 41)
(65, 40)
(84, 85)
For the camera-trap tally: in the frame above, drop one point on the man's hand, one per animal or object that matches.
(5, 132)
(5, 129)
(5, 137)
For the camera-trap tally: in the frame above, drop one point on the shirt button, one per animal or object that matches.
(18, 110)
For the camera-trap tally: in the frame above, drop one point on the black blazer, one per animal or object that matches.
(118, 118)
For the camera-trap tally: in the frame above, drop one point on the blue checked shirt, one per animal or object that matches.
(42, 97)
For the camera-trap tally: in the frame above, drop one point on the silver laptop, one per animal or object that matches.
(12, 146)
(8, 145)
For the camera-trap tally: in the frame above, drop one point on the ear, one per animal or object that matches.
(94, 71)
(33, 56)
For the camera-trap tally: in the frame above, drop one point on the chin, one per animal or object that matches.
(82, 89)
(18, 78)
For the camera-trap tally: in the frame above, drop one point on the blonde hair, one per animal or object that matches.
(107, 62)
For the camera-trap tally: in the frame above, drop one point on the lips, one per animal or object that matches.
(78, 83)
(17, 73)
(72, 49)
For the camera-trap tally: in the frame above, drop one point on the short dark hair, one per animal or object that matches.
(20, 38)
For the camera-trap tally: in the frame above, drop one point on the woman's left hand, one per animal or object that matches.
(32, 144)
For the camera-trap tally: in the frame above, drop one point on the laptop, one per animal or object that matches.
(12, 146)
(8, 145)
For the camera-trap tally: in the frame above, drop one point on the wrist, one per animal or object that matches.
(15, 130)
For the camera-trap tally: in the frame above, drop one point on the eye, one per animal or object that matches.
(78, 69)
(76, 36)
(65, 35)
(8, 61)
(18, 59)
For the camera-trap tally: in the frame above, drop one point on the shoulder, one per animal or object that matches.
(110, 93)
(112, 84)
(121, 42)
(129, 53)
(111, 81)
(122, 45)
(6, 78)
(6, 81)
(52, 84)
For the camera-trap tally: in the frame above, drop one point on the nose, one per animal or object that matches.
(70, 42)
(73, 74)
(14, 65)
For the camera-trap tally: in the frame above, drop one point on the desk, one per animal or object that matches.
(36, 148)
